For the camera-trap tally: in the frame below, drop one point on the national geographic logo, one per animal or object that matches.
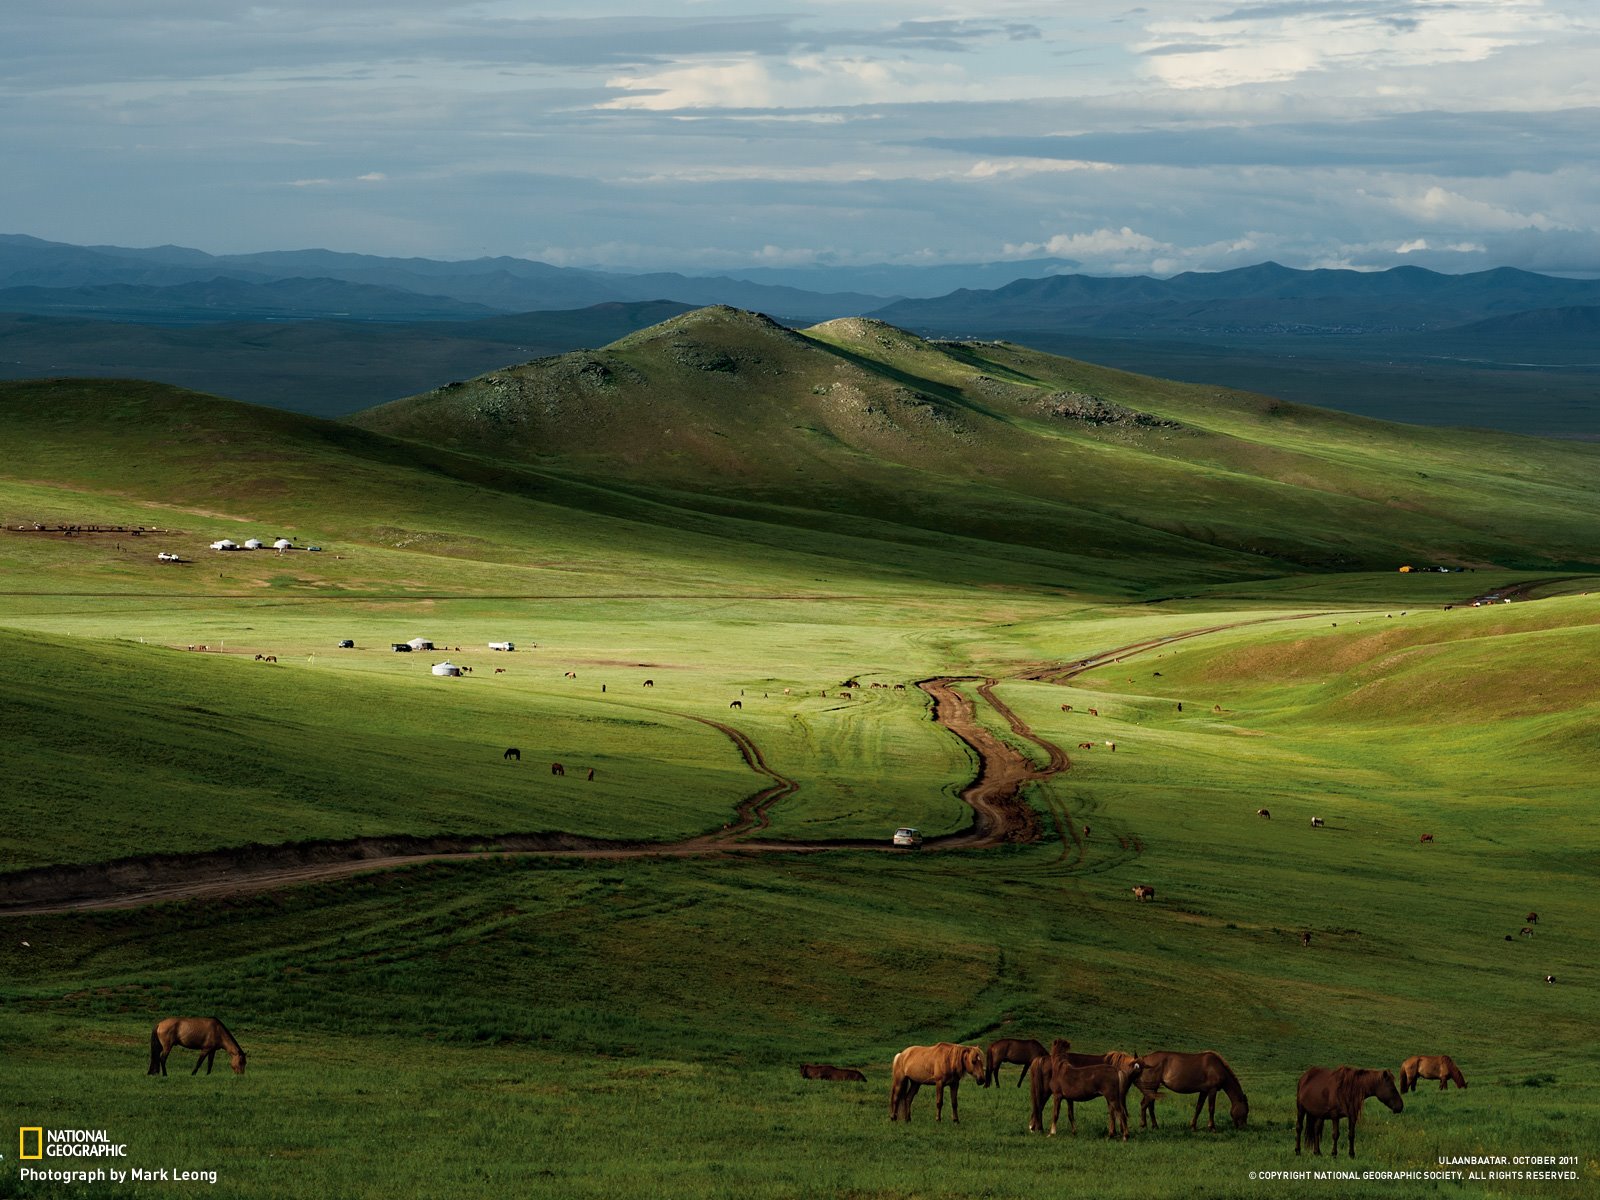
(35, 1142)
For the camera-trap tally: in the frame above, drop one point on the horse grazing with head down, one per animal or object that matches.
(1203, 1074)
(1338, 1092)
(830, 1072)
(941, 1065)
(1011, 1050)
(1054, 1075)
(205, 1034)
(1430, 1066)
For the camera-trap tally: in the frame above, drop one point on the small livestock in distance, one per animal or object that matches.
(205, 1034)
(557, 769)
(837, 1074)
(941, 1065)
(1427, 837)
(513, 752)
(1430, 1066)
(737, 704)
(1316, 823)
(1143, 892)
(1263, 813)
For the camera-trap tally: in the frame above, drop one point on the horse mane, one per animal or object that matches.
(228, 1040)
(1350, 1091)
(1230, 1081)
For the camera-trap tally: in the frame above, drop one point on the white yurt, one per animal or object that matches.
(446, 668)
(283, 544)
(420, 644)
(253, 543)
(224, 544)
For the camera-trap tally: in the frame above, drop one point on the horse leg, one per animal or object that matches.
(1211, 1108)
(955, 1089)
(1147, 1106)
(1299, 1124)
(938, 1101)
(1199, 1103)
(1352, 1138)
(197, 1063)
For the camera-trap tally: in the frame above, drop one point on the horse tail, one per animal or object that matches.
(155, 1053)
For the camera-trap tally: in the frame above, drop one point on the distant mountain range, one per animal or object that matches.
(1502, 348)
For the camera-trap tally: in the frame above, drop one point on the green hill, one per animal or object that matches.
(995, 442)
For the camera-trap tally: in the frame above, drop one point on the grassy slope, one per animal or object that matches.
(633, 1029)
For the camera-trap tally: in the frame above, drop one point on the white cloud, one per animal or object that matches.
(1441, 207)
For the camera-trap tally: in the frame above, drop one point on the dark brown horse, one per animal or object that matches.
(1012, 1050)
(1338, 1092)
(1430, 1066)
(513, 752)
(825, 1071)
(205, 1034)
(557, 769)
(1053, 1075)
(1111, 1058)
(1204, 1074)
(940, 1065)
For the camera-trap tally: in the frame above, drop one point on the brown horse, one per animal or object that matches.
(205, 1034)
(940, 1065)
(1053, 1075)
(1143, 891)
(1430, 1066)
(1338, 1092)
(1011, 1050)
(1111, 1058)
(1204, 1074)
(557, 769)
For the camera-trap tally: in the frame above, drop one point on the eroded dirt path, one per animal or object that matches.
(995, 795)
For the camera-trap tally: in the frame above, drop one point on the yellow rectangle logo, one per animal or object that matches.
(38, 1141)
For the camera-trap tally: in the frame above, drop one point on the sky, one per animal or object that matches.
(1148, 138)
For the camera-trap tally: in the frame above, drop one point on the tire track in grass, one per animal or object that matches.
(994, 795)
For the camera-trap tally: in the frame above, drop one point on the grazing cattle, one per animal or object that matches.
(1305, 938)
(259, 657)
(1316, 822)
(1261, 812)
(1113, 746)
(1216, 709)
(499, 670)
(788, 691)
(837, 1074)
(1094, 712)
(1549, 978)
(899, 687)
(1525, 931)
(1143, 892)
(571, 675)
(513, 752)
(1338, 1092)
(1054, 1075)
(851, 683)
(557, 769)
(1203, 1074)
(1532, 918)
(649, 683)
(1427, 837)
(1085, 745)
(591, 774)
(737, 704)
(1011, 1050)
(270, 658)
(1430, 1066)
(1066, 708)
(1509, 938)
(941, 1065)
(844, 695)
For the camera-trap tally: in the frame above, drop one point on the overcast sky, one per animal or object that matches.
(1157, 137)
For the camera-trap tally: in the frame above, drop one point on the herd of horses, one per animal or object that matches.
(1323, 1094)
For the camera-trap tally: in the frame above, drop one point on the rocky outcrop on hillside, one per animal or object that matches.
(1096, 410)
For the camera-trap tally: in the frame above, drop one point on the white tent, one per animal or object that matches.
(252, 543)
(446, 668)
(283, 544)
(420, 644)
(224, 544)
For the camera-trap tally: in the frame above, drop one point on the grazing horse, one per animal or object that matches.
(557, 769)
(649, 683)
(1066, 708)
(1338, 1092)
(499, 670)
(1525, 931)
(1430, 1066)
(513, 752)
(1427, 837)
(205, 1034)
(941, 1065)
(1305, 938)
(1204, 1074)
(1316, 822)
(899, 687)
(1085, 745)
(1532, 918)
(591, 774)
(1261, 812)
(1011, 1050)
(1094, 712)
(272, 658)
(737, 704)
(1053, 1075)
(837, 1074)
(571, 675)
(1142, 892)
(844, 695)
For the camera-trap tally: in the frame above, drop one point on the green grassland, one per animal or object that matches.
(563, 1027)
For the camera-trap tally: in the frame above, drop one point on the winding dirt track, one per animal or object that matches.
(1000, 814)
